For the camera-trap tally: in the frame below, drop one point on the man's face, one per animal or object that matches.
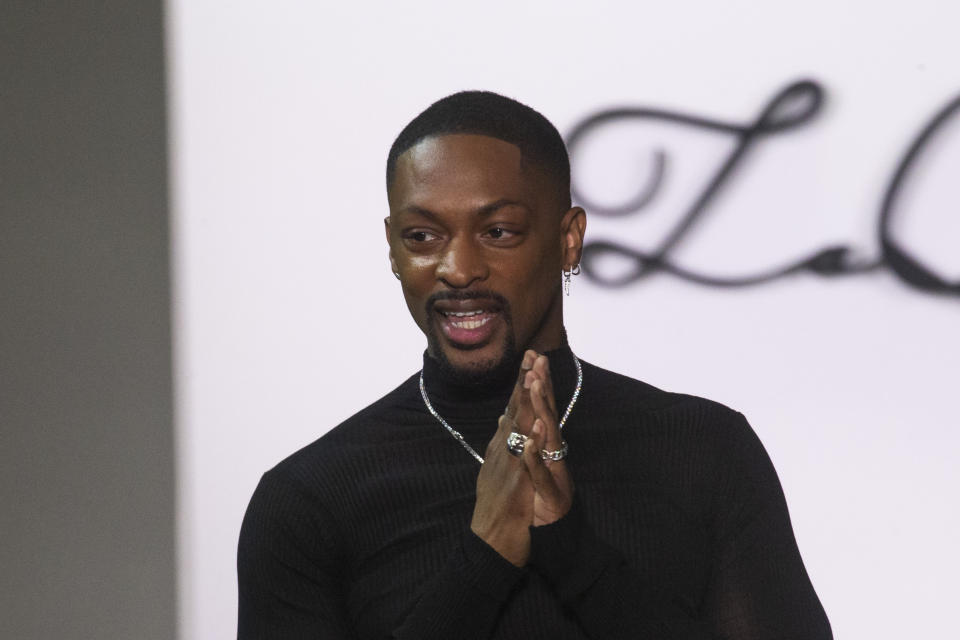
(479, 237)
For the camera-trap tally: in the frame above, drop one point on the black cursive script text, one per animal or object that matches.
(793, 106)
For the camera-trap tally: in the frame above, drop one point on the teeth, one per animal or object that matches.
(470, 324)
(462, 314)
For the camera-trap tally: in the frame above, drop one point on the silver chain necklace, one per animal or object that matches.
(459, 438)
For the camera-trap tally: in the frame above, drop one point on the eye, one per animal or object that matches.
(499, 233)
(419, 235)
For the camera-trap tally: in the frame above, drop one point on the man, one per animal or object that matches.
(510, 490)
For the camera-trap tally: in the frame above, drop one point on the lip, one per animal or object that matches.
(468, 324)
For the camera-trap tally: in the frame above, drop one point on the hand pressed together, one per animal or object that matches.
(514, 492)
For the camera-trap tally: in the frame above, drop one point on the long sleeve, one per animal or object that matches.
(679, 530)
(595, 581)
(464, 600)
(286, 568)
(758, 589)
(290, 583)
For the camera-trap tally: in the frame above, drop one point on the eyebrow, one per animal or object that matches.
(485, 210)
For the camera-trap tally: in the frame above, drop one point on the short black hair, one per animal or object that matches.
(490, 114)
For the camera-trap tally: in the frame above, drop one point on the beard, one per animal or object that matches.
(494, 371)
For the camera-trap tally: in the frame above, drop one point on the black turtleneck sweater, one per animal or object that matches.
(679, 527)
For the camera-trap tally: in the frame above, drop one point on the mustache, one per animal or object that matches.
(474, 294)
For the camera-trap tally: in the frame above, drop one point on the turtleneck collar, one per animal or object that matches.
(486, 402)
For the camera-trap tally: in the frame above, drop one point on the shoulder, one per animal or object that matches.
(328, 456)
(304, 487)
(322, 477)
(618, 397)
(714, 442)
(628, 393)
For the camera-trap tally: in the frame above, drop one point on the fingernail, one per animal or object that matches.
(526, 364)
(536, 427)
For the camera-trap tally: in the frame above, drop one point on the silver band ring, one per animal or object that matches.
(516, 442)
(555, 456)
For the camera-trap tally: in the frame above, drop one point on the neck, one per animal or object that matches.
(550, 335)
(487, 399)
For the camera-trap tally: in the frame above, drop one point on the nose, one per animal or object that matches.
(462, 263)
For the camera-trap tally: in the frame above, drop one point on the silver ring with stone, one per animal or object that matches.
(555, 456)
(516, 442)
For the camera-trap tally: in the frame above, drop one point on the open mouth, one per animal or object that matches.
(468, 319)
(468, 323)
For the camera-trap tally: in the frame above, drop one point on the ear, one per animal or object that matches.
(572, 227)
(386, 228)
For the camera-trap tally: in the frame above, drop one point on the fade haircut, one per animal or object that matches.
(490, 114)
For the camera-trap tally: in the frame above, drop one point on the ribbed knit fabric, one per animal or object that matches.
(679, 527)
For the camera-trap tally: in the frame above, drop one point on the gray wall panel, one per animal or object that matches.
(86, 434)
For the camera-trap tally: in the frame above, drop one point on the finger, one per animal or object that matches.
(504, 426)
(542, 368)
(529, 357)
(526, 364)
(540, 401)
(529, 378)
(497, 452)
(543, 481)
(527, 369)
(522, 409)
(546, 415)
(497, 443)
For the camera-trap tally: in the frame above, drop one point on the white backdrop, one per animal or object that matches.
(288, 319)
